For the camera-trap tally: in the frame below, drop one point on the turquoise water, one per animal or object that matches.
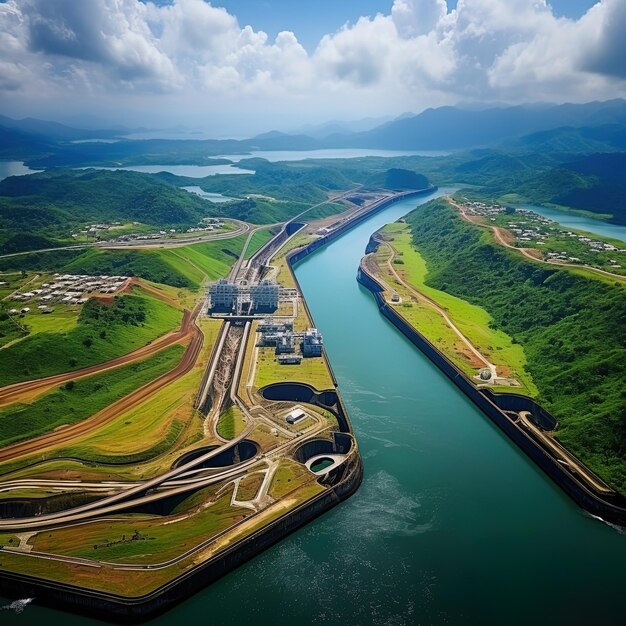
(192, 171)
(453, 525)
(14, 168)
(579, 222)
(330, 153)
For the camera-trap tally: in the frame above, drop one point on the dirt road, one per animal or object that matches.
(529, 253)
(66, 434)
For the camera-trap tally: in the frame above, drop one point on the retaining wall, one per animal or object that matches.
(609, 508)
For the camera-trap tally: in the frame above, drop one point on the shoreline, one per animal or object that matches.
(123, 609)
(611, 509)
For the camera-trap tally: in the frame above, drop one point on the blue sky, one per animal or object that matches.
(310, 20)
(244, 66)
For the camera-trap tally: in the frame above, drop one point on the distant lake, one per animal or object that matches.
(14, 168)
(331, 153)
(213, 197)
(96, 140)
(579, 222)
(192, 171)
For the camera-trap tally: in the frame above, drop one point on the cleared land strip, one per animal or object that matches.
(26, 391)
(66, 434)
(421, 296)
(528, 252)
(242, 227)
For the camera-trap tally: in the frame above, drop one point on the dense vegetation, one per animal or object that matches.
(77, 400)
(103, 331)
(36, 210)
(405, 179)
(572, 329)
(186, 266)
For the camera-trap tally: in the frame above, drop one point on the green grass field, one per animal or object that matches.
(472, 320)
(142, 541)
(185, 266)
(288, 476)
(139, 319)
(154, 427)
(77, 400)
(259, 238)
(312, 371)
(231, 423)
(249, 486)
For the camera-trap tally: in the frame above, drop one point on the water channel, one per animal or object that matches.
(452, 525)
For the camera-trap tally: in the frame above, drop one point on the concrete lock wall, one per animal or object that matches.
(609, 508)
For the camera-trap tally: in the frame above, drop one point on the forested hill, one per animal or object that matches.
(572, 328)
(37, 209)
(595, 183)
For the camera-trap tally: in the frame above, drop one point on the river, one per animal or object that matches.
(453, 524)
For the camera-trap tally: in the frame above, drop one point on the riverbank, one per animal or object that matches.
(610, 507)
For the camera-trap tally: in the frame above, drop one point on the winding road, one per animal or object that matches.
(500, 239)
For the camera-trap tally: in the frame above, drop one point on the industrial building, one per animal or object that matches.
(244, 299)
(223, 295)
(280, 335)
(284, 343)
(295, 416)
(289, 359)
(272, 325)
(312, 343)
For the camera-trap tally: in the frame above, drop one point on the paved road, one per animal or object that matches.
(166, 242)
(564, 456)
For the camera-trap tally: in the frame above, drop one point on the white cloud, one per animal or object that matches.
(419, 54)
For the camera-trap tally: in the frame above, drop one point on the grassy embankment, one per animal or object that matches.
(259, 239)
(231, 423)
(154, 542)
(185, 266)
(102, 331)
(472, 320)
(571, 327)
(77, 400)
(138, 443)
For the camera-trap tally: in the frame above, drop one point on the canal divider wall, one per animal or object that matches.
(128, 610)
(610, 509)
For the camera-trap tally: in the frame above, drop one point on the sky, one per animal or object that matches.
(236, 67)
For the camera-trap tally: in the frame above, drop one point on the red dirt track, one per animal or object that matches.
(13, 393)
(63, 435)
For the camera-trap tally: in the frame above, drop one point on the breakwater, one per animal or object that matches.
(611, 508)
(123, 609)
(340, 484)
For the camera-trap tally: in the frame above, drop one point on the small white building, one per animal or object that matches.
(295, 416)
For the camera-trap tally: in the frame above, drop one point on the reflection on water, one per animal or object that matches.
(579, 222)
(14, 168)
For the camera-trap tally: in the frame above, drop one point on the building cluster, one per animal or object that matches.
(68, 289)
(484, 209)
(94, 229)
(290, 347)
(247, 299)
(208, 224)
(535, 229)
